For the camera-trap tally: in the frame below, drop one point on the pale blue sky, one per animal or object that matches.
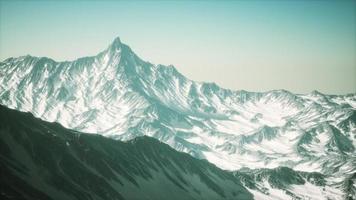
(252, 45)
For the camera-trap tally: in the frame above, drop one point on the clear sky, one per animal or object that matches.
(253, 45)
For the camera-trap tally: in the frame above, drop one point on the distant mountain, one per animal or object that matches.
(42, 160)
(118, 95)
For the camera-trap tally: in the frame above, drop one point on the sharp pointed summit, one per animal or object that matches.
(115, 46)
(118, 50)
(116, 42)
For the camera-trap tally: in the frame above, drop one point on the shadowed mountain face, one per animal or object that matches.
(41, 160)
(118, 95)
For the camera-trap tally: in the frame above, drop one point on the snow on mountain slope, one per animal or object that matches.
(42, 160)
(284, 183)
(118, 95)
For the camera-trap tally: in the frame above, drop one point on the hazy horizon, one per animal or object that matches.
(241, 45)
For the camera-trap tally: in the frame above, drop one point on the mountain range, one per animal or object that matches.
(42, 160)
(253, 135)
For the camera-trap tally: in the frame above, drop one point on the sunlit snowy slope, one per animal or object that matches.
(118, 95)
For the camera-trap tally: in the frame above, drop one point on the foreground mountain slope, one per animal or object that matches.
(41, 160)
(117, 94)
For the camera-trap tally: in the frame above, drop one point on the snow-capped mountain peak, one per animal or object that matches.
(119, 95)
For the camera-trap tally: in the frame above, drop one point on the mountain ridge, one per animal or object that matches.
(118, 95)
(97, 167)
(43, 160)
(117, 43)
